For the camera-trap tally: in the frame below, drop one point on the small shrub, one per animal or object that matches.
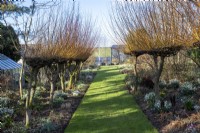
(188, 89)
(45, 126)
(7, 121)
(39, 91)
(162, 84)
(167, 105)
(157, 105)
(18, 126)
(162, 94)
(162, 105)
(188, 103)
(4, 102)
(48, 126)
(173, 84)
(59, 94)
(5, 111)
(58, 101)
(150, 99)
(81, 86)
(197, 108)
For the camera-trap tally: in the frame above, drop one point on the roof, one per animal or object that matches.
(7, 63)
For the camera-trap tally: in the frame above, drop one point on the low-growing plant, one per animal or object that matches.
(39, 91)
(48, 126)
(157, 105)
(59, 94)
(150, 99)
(160, 106)
(5, 111)
(167, 105)
(17, 126)
(81, 85)
(188, 103)
(162, 94)
(187, 89)
(173, 84)
(4, 102)
(197, 108)
(7, 121)
(162, 84)
(58, 101)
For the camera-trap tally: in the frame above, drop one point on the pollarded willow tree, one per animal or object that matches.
(191, 13)
(154, 28)
(63, 41)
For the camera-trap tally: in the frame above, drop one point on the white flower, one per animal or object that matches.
(167, 105)
(197, 107)
(149, 96)
(157, 105)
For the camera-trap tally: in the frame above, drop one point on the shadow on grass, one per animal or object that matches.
(103, 74)
(107, 108)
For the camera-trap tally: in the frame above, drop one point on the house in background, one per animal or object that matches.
(102, 55)
(117, 54)
(108, 55)
(9, 71)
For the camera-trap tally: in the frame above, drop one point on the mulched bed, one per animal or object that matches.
(58, 114)
(169, 122)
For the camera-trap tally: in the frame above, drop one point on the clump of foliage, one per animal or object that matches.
(187, 88)
(173, 84)
(4, 101)
(9, 42)
(162, 84)
(188, 103)
(59, 94)
(150, 98)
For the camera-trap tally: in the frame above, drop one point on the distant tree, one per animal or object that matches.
(9, 42)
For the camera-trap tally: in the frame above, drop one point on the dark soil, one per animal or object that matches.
(175, 120)
(58, 114)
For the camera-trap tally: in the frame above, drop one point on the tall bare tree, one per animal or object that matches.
(154, 28)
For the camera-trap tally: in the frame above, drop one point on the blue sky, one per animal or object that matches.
(99, 10)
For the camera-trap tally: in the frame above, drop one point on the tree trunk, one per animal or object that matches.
(34, 84)
(28, 111)
(52, 91)
(62, 82)
(27, 106)
(158, 74)
(136, 74)
(71, 82)
(21, 80)
(62, 76)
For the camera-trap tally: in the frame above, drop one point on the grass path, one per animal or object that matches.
(108, 108)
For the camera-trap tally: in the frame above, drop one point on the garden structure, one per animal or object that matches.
(9, 72)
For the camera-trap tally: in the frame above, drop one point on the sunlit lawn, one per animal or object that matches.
(108, 108)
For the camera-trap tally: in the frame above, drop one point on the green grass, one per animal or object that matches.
(108, 108)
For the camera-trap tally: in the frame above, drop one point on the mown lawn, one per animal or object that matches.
(108, 108)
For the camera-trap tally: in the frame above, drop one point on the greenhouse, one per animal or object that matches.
(9, 71)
